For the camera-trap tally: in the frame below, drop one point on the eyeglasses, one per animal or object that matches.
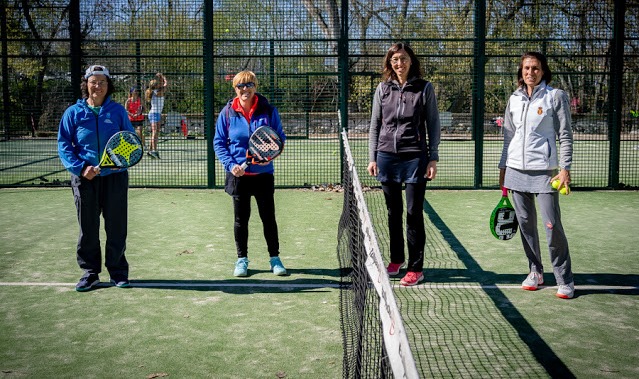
(400, 59)
(97, 83)
(242, 86)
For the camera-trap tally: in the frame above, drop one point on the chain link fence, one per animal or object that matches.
(319, 62)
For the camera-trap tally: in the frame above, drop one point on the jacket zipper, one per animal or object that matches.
(523, 146)
(97, 132)
(400, 110)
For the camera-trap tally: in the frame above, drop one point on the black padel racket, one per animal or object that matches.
(124, 149)
(264, 146)
(503, 223)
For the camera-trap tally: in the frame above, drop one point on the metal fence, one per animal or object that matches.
(319, 62)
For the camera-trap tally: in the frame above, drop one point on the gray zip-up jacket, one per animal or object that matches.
(532, 126)
(405, 119)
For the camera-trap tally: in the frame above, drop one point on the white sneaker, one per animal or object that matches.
(533, 281)
(566, 291)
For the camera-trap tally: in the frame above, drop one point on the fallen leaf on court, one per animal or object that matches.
(186, 252)
(157, 375)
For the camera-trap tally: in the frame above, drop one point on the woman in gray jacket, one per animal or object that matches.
(537, 116)
(403, 149)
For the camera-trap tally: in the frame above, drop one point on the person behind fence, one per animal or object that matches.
(237, 121)
(155, 95)
(84, 130)
(404, 150)
(135, 109)
(537, 116)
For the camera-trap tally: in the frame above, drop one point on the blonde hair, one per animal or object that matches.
(245, 76)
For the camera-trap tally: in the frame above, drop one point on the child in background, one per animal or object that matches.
(155, 95)
(135, 109)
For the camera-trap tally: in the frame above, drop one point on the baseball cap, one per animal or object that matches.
(96, 70)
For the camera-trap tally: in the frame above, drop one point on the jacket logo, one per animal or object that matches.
(540, 111)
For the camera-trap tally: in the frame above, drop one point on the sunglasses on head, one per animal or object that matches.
(245, 85)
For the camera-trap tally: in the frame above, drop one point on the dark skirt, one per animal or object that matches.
(401, 168)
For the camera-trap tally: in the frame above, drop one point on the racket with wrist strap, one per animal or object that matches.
(264, 146)
(124, 149)
(503, 221)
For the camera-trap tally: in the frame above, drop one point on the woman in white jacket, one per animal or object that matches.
(537, 116)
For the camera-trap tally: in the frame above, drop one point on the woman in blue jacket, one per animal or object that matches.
(84, 130)
(537, 117)
(235, 124)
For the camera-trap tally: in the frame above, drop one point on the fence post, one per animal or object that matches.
(75, 32)
(479, 65)
(209, 91)
(615, 92)
(6, 96)
(342, 51)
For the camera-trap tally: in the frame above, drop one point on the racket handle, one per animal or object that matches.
(244, 166)
(504, 191)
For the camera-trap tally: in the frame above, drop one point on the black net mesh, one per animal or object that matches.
(319, 63)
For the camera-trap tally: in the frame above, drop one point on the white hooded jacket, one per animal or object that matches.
(532, 126)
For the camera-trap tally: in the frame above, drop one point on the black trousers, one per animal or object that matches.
(262, 187)
(415, 232)
(106, 196)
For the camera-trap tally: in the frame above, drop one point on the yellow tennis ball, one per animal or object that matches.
(555, 183)
(565, 190)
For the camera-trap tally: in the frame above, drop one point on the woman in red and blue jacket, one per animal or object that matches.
(235, 124)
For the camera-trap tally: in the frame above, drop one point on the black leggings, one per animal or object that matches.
(415, 232)
(262, 187)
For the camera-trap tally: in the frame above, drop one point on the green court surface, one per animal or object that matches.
(186, 316)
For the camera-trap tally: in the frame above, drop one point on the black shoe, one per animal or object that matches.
(87, 282)
(120, 281)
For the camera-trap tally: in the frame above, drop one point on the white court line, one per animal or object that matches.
(428, 286)
(179, 284)
(586, 287)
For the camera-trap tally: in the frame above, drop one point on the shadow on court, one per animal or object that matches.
(621, 284)
(254, 283)
(541, 351)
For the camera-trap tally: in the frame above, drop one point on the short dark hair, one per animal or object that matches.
(84, 87)
(544, 66)
(387, 69)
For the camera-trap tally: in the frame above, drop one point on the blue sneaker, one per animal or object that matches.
(277, 267)
(87, 282)
(241, 267)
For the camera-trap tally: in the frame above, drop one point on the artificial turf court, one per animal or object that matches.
(186, 316)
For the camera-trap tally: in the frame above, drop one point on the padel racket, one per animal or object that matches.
(503, 223)
(264, 145)
(124, 149)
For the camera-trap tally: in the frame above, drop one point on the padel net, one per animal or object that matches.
(373, 334)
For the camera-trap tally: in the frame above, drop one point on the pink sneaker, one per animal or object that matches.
(393, 268)
(411, 278)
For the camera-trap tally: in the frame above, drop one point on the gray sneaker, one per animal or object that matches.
(241, 267)
(277, 267)
(533, 281)
(566, 291)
